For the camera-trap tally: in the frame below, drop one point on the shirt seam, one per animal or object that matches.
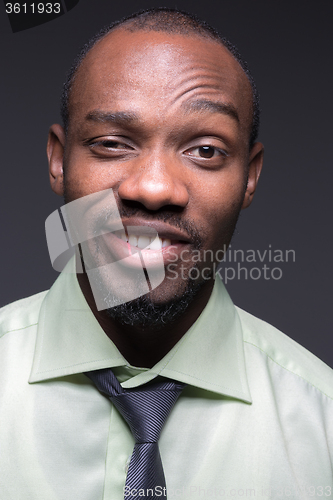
(18, 329)
(76, 364)
(207, 381)
(290, 371)
(107, 452)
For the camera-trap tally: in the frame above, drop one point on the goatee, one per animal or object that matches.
(144, 313)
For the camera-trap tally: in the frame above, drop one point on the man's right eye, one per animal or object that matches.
(109, 144)
(109, 147)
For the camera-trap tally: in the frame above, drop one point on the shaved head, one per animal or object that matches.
(173, 22)
(162, 114)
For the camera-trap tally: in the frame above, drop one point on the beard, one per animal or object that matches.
(145, 313)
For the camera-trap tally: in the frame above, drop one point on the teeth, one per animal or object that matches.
(166, 242)
(155, 244)
(143, 241)
(133, 240)
(123, 236)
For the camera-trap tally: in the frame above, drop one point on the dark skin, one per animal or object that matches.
(188, 94)
(143, 347)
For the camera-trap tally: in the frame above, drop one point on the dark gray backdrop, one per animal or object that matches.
(289, 48)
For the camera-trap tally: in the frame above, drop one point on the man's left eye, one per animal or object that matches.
(205, 152)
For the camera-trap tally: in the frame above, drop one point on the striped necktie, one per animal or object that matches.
(145, 409)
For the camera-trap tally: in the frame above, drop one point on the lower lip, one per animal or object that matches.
(120, 249)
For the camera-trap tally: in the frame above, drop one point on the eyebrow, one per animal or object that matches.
(212, 106)
(130, 118)
(119, 118)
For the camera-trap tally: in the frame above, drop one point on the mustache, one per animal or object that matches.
(109, 208)
(170, 217)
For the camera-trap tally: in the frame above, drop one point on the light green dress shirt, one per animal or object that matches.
(255, 419)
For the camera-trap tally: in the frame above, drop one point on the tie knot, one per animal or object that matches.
(144, 408)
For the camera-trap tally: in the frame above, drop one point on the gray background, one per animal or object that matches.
(289, 48)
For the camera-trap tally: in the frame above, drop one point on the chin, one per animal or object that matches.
(159, 308)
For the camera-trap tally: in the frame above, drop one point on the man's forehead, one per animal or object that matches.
(159, 47)
(124, 59)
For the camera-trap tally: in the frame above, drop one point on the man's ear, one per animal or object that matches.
(55, 153)
(255, 166)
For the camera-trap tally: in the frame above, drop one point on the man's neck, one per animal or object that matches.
(145, 346)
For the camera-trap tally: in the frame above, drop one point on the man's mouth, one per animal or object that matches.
(144, 241)
(152, 245)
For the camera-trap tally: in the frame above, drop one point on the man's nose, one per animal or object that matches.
(156, 181)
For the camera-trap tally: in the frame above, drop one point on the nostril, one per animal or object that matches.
(154, 191)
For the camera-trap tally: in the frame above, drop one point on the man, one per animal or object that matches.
(163, 114)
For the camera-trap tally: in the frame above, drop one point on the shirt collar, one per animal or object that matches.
(209, 356)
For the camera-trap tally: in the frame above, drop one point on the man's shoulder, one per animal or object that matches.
(20, 314)
(285, 352)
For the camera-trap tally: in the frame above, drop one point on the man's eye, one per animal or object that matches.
(109, 144)
(205, 152)
(110, 148)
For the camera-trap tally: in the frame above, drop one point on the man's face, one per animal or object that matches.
(164, 120)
